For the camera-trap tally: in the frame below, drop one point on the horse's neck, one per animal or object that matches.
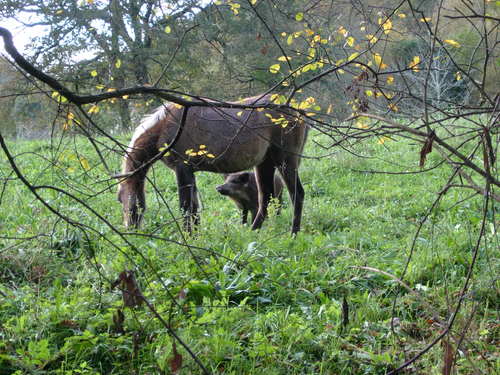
(143, 151)
(138, 158)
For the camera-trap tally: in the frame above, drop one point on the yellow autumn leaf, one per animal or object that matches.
(458, 76)
(371, 38)
(387, 26)
(452, 43)
(275, 68)
(93, 109)
(311, 53)
(118, 63)
(390, 80)
(368, 92)
(402, 15)
(235, 8)
(378, 61)
(329, 110)
(299, 16)
(393, 107)
(353, 56)
(85, 164)
(253, 2)
(425, 19)
(382, 140)
(361, 123)
(289, 40)
(168, 29)
(414, 64)
(93, 73)
(284, 58)
(350, 41)
(343, 31)
(278, 99)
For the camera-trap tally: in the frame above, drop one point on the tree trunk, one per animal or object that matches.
(123, 110)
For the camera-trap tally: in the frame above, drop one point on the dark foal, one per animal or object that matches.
(241, 187)
(221, 140)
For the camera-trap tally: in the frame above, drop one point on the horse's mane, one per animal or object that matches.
(148, 122)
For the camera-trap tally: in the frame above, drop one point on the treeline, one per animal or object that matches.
(226, 50)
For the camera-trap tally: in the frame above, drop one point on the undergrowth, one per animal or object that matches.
(327, 301)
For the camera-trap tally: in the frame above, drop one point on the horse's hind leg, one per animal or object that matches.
(264, 174)
(188, 199)
(290, 174)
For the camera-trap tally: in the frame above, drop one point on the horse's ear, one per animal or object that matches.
(122, 175)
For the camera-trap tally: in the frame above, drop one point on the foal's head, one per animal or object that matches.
(131, 196)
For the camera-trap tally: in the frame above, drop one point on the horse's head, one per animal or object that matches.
(131, 196)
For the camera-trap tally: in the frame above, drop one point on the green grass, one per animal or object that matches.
(245, 302)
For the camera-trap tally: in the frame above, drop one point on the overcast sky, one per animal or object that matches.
(22, 35)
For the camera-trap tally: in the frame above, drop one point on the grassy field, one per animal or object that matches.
(245, 302)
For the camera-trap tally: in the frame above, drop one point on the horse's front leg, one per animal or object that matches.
(188, 197)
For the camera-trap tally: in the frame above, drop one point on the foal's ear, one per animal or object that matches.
(244, 177)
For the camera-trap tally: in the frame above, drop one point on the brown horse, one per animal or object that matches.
(221, 140)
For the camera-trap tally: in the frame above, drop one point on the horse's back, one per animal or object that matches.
(230, 139)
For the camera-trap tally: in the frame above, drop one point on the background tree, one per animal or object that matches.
(100, 45)
(375, 81)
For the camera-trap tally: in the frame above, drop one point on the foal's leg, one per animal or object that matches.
(289, 172)
(264, 174)
(188, 199)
